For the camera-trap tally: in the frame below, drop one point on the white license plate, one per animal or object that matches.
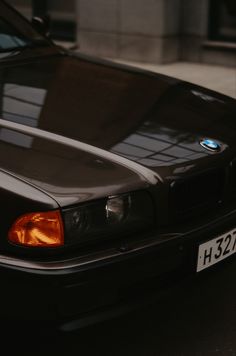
(216, 250)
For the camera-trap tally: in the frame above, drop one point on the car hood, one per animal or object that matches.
(80, 129)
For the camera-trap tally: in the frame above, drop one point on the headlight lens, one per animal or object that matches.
(117, 208)
(109, 218)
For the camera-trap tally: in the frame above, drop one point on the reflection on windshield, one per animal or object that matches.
(9, 42)
(10, 38)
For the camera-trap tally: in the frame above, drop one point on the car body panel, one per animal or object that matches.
(48, 161)
(149, 119)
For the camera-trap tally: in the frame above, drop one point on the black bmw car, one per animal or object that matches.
(114, 182)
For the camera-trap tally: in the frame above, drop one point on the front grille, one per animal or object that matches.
(192, 196)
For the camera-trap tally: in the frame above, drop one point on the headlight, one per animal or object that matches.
(109, 218)
(117, 208)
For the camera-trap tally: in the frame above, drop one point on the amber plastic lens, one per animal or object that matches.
(43, 229)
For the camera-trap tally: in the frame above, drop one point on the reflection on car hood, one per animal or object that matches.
(152, 120)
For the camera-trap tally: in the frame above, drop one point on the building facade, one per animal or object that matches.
(157, 31)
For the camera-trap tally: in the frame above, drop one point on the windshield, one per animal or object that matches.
(11, 39)
(15, 32)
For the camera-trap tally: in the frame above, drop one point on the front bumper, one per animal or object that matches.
(94, 287)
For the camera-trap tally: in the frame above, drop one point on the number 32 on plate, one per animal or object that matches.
(216, 250)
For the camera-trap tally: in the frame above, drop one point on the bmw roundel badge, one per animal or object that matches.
(210, 145)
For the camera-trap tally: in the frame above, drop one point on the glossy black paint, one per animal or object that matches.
(75, 129)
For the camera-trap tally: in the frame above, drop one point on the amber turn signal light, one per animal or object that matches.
(43, 229)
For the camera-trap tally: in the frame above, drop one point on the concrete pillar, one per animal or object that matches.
(141, 30)
(194, 29)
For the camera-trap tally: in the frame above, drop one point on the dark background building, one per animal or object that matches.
(157, 31)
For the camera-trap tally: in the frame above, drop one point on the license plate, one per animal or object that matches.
(216, 250)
